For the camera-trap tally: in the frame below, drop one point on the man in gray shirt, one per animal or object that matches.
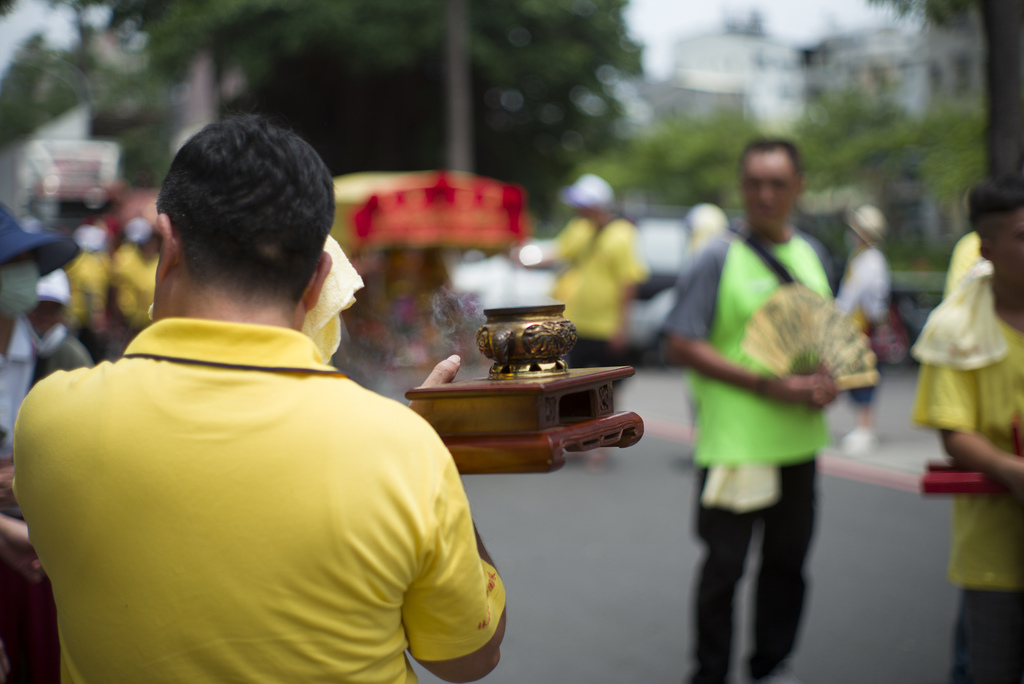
(750, 421)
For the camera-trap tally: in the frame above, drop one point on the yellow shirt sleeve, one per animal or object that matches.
(452, 608)
(622, 251)
(574, 238)
(946, 399)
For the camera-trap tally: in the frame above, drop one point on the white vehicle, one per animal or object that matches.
(498, 281)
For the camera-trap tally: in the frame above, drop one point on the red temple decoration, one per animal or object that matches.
(429, 209)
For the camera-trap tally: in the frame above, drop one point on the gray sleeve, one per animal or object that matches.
(828, 262)
(696, 293)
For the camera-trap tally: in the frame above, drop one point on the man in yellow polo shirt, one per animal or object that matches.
(220, 506)
(604, 269)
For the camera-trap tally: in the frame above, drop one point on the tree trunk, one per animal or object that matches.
(1002, 22)
(458, 97)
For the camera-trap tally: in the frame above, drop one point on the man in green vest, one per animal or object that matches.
(758, 435)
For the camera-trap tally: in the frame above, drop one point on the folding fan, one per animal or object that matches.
(796, 331)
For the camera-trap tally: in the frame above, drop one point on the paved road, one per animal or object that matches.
(599, 566)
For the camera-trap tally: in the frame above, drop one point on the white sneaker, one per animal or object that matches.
(859, 442)
(780, 675)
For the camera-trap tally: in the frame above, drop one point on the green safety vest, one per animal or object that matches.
(737, 426)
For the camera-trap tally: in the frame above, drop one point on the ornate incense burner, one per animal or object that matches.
(526, 339)
(531, 408)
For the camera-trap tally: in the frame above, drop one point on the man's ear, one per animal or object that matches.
(170, 247)
(316, 284)
(169, 265)
(986, 248)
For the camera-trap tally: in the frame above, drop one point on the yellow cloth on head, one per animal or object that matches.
(966, 254)
(963, 332)
(323, 321)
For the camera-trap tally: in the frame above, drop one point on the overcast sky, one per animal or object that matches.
(655, 23)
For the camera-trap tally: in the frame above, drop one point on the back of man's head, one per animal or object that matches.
(998, 195)
(253, 204)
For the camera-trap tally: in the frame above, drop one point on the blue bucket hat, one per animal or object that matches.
(52, 250)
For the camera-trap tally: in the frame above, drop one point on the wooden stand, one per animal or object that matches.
(524, 424)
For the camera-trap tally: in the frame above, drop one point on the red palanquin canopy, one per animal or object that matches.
(428, 209)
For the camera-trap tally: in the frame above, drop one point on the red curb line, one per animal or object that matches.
(829, 465)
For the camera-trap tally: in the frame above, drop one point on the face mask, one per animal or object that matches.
(51, 339)
(18, 287)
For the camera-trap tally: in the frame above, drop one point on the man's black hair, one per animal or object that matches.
(253, 204)
(766, 145)
(999, 195)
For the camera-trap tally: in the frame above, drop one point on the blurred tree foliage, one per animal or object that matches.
(130, 102)
(362, 79)
(680, 161)
(894, 159)
(850, 139)
(952, 142)
(37, 87)
(847, 140)
(1001, 23)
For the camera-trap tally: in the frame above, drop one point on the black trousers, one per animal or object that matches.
(590, 353)
(786, 530)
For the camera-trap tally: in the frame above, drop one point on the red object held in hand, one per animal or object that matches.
(945, 479)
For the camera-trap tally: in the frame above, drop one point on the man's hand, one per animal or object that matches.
(1011, 473)
(817, 391)
(973, 451)
(619, 342)
(443, 372)
(16, 550)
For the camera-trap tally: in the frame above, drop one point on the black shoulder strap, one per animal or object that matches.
(44, 366)
(769, 259)
(39, 372)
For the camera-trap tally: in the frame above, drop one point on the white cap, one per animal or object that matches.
(868, 222)
(138, 230)
(54, 287)
(90, 238)
(705, 222)
(589, 192)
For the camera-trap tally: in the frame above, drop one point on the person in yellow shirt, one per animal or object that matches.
(970, 389)
(220, 505)
(89, 279)
(604, 269)
(134, 270)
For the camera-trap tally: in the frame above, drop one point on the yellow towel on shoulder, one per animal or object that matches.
(963, 331)
(323, 321)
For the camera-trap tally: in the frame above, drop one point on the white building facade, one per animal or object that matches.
(768, 76)
(918, 70)
(771, 82)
